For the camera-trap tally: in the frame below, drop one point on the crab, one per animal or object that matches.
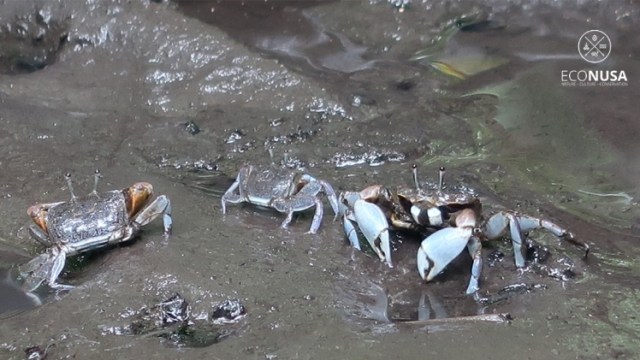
(455, 216)
(287, 191)
(413, 209)
(83, 224)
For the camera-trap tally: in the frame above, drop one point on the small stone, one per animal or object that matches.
(36, 352)
(174, 310)
(191, 127)
(228, 312)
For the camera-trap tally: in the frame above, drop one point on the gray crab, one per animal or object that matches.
(82, 224)
(285, 190)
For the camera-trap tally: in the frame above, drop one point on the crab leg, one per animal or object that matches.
(161, 205)
(287, 220)
(317, 217)
(230, 196)
(475, 250)
(528, 223)
(326, 187)
(305, 199)
(497, 226)
(331, 195)
(374, 227)
(47, 267)
(40, 235)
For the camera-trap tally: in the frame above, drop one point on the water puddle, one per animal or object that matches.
(284, 30)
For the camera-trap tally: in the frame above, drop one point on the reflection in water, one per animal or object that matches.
(14, 300)
(430, 307)
(374, 295)
(282, 28)
(375, 306)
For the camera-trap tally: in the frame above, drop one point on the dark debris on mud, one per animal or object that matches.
(31, 42)
(173, 321)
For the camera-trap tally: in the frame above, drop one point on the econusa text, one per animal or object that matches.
(593, 75)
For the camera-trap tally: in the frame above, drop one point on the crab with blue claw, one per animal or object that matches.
(358, 209)
(83, 224)
(287, 191)
(457, 218)
(376, 209)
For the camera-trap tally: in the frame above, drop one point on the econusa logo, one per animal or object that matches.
(594, 47)
(594, 75)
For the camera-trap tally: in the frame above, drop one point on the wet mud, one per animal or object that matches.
(182, 94)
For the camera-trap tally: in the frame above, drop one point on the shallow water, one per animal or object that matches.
(334, 95)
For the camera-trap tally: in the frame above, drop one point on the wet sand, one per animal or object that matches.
(112, 85)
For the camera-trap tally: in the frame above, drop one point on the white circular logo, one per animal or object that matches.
(594, 46)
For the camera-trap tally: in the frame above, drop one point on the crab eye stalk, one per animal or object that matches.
(441, 178)
(414, 170)
(137, 197)
(96, 178)
(67, 177)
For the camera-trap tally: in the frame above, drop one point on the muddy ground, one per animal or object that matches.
(180, 94)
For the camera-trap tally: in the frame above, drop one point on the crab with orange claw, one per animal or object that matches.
(83, 224)
(287, 191)
(455, 216)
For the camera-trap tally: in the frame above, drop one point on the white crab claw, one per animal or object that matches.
(374, 227)
(439, 249)
(350, 230)
(347, 199)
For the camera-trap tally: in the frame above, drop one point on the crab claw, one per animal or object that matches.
(439, 249)
(350, 230)
(137, 197)
(374, 227)
(38, 214)
(346, 200)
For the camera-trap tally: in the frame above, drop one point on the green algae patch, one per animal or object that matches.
(610, 328)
